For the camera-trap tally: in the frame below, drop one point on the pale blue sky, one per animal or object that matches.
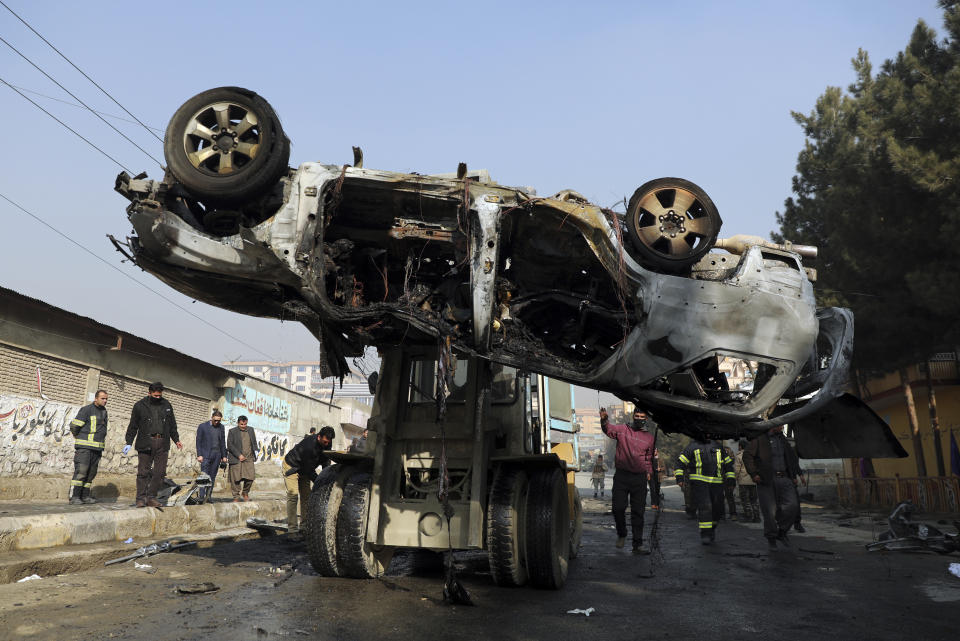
(598, 97)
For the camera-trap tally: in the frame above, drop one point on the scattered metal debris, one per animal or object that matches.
(198, 588)
(267, 528)
(150, 550)
(586, 612)
(907, 534)
(32, 577)
(144, 567)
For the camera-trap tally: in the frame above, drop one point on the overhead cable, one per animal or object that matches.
(139, 282)
(74, 96)
(71, 129)
(79, 69)
(73, 104)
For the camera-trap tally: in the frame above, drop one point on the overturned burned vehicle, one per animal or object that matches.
(635, 303)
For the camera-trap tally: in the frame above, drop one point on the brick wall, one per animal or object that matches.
(63, 381)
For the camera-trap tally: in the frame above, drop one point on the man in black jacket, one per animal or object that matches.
(89, 430)
(773, 466)
(153, 425)
(300, 470)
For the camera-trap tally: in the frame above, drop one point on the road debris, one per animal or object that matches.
(198, 588)
(586, 612)
(150, 550)
(906, 534)
(130, 540)
(144, 567)
(954, 569)
(30, 578)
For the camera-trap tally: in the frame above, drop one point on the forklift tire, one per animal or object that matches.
(548, 529)
(355, 557)
(505, 521)
(320, 521)
(576, 525)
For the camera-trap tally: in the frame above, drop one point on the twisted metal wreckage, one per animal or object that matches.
(543, 284)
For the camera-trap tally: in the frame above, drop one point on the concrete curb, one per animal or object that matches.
(39, 531)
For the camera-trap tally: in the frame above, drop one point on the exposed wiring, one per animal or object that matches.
(79, 106)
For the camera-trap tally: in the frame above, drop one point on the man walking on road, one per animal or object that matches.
(633, 469)
(211, 451)
(708, 467)
(153, 426)
(747, 487)
(241, 453)
(300, 469)
(773, 466)
(89, 429)
(598, 476)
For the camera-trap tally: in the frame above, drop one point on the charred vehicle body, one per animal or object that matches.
(634, 303)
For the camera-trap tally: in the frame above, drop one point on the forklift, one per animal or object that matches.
(482, 476)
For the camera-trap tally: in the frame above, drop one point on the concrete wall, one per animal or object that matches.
(52, 362)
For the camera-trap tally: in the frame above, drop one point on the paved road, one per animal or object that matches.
(825, 586)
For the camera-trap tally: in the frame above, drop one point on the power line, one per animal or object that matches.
(74, 131)
(141, 283)
(74, 96)
(73, 104)
(79, 69)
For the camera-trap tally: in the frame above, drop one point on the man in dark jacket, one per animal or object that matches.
(773, 466)
(89, 430)
(153, 426)
(300, 470)
(211, 450)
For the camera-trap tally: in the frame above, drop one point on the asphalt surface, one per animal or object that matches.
(823, 586)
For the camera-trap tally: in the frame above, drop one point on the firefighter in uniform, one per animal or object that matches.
(707, 466)
(89, 430)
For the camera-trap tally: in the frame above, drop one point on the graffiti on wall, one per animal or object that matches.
(272, 449)
(37, 431)
(264, 412)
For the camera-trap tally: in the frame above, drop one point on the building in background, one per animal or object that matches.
(305, 377)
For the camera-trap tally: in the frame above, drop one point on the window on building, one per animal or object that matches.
(301, 368)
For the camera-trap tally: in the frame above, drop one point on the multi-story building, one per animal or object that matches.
(305, 377)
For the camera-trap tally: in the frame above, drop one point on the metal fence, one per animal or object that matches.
(929, 493)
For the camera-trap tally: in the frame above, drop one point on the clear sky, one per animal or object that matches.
(598, 97)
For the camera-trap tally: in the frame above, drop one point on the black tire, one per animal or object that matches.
(320, 522)
(576, 525)
(356, 557)
(547, 529)
(222, 155)
(672, 224)
(505, 527)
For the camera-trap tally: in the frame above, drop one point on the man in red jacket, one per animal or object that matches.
(633, 463)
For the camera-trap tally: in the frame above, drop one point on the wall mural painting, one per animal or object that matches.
(36, 425)
(265, 412)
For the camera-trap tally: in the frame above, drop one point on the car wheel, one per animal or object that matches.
(226, 145)
(672, 223)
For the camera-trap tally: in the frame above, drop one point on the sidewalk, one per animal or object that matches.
(32, 525)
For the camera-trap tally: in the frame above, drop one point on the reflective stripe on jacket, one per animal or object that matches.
(89, 428)
(705, 462)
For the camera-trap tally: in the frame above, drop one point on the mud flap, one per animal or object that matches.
(844, 428)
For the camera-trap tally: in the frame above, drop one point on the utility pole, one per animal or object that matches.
(914, 425)
(934, 422)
